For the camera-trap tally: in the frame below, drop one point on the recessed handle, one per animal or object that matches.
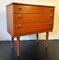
(19, 9)
(19, 17)
(19, 26)
(51, 15)
(51, 10)
(50, 23)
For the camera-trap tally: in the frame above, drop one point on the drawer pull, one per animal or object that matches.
(50, 23)
(51, 15)
(19, 9)
(51, 11)
(19, 17)
(19, 26)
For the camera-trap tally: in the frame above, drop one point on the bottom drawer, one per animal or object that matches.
(32, 27)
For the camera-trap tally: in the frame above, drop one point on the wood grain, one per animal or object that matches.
(30, 18)
(31, 9)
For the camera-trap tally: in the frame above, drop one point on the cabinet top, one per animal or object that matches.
(13, 3)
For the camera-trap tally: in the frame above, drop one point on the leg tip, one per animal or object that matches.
(46, 48)
(37, 41)
(18, 55)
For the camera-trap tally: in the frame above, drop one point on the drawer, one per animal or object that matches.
(32, 9)
(25, 28)
(30, 18)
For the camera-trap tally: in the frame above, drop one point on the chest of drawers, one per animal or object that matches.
(24, 19)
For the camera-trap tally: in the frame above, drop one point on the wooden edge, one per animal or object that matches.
(29, 4)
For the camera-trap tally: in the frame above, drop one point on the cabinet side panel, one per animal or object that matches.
(10, 19)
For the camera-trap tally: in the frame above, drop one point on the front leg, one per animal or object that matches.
(18, 46)
(47, 34)
(12, 42)
(37, 38)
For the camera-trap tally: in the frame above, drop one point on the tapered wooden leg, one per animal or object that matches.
(12, 42)
(47, 33)
(37, 37)
(18, 46)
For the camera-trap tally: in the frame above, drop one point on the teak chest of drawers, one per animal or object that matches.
(23, 19)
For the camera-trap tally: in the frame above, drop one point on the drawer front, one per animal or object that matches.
(32, 27)
(30, 18)
(31, 9)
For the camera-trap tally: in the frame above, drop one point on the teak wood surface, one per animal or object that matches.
(24, 19)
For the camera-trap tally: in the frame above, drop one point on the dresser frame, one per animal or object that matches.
(10, 26)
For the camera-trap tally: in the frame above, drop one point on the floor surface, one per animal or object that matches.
(30, 50)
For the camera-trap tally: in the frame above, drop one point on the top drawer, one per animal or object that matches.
(32, 9)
